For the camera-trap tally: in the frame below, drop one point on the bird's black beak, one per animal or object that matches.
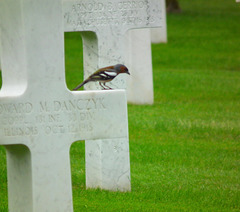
(128, 72)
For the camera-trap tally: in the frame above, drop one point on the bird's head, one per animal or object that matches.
(121, 69)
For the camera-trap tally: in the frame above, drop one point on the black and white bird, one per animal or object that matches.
(104, 75)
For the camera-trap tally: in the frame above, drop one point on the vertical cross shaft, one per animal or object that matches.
(32, 42)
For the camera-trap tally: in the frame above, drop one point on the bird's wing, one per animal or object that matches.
(103, 75)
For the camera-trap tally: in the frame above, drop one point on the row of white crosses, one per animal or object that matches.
(41, 118)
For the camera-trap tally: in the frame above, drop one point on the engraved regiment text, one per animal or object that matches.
(50, 117)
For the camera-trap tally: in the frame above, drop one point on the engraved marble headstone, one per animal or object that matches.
(103, 25)
(41, 118)
(159, 35)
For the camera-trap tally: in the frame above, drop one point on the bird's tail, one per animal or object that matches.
(79, 86)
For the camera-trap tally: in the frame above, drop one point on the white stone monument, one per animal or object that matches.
(140, 83)
(159, 35)
(103, 25)
(41, 118)
(0, 51)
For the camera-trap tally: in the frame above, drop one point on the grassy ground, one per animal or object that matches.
(184, 149)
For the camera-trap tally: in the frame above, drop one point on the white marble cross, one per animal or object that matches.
(41, 118)
(103, 25)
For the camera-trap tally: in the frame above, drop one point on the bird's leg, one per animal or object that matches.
(102, 86)
(107, 86)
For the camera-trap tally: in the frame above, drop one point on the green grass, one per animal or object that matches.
(184, 149)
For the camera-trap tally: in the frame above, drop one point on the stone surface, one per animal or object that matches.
(0, 55)
(41, 118)
(103, 26)
(0, 51)
(140, 83)
(114, 154)
(159, 35)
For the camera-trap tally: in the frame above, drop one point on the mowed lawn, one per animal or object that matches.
(184, 149)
